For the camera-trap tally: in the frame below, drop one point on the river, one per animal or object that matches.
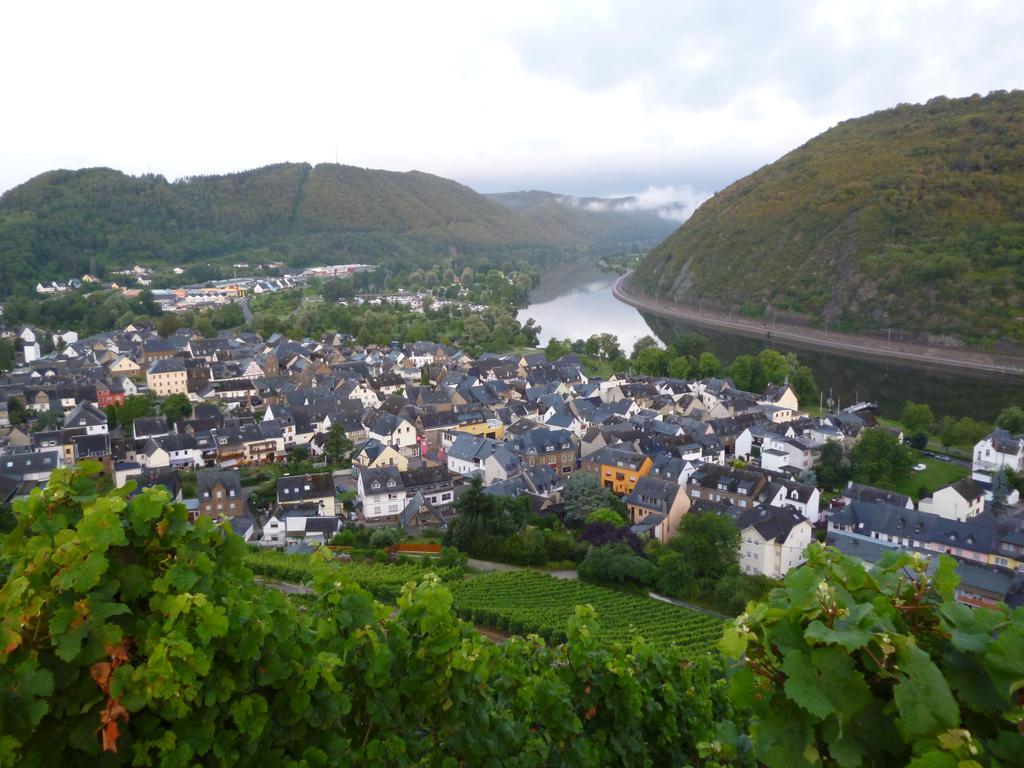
(575, 301)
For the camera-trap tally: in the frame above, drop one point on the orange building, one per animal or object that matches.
(618, 469)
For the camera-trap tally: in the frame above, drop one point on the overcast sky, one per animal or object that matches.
(677, 98)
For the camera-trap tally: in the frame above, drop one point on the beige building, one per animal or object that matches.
(167, 377)
(374, 454)
(656, 507)
(124, 366)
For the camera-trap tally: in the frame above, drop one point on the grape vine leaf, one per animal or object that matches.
(925, 703)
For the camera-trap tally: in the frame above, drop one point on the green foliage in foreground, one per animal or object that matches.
(129, 636)
(849, 667)
(527, 601)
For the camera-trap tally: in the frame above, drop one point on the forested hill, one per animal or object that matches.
(62, 224)
(910, 218)
(600, 221)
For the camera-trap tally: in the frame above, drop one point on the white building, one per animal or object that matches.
(779, 453)
(999, 449)
(381, 492)
(773, 541)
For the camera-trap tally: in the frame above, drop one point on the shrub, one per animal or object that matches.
(383, 538)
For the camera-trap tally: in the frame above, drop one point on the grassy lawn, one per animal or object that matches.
(937, 475)
(960, 452)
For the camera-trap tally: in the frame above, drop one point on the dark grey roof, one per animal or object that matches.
(21, 464)
(541, 440)
(984, 533)
(857, 492)
(168, 365)
(206, 479)
(381, 479)
(305, 487)
(655, 494)
(772, 523)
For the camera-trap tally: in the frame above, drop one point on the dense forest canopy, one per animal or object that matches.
(910, 218)
(63, 224)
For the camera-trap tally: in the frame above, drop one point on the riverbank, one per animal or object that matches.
(842, 344)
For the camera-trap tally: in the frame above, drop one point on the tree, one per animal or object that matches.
(708, 366)
(844, 666)
(6, 355)
(135, 407)
(582, 494)
(167, 325)
(652, 361)
(618, 565)
(919, 441)
(917, 417)
(679, 368)
(176, 407)
(675, 577)
(605, 515)
(610, 349)
(801, 379)
(47, 420)
(832, 469)
(742, 372)
(691, 344)
(1000, 489)
(969, 431)
(556, 349)
(774, 367)
(16, 411)
(337, 446)
(644, 342)
(880, 458)
(947, 431)
(1011, 419)
(710, 545)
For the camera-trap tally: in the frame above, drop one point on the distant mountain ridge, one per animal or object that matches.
(910, 218)
(65, 223)
(595, 219)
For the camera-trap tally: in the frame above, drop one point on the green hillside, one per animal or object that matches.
(62, 224)
(910, 218)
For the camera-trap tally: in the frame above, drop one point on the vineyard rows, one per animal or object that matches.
(383, 580)
(526, 601)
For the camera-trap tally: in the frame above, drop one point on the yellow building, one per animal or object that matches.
(491, 428)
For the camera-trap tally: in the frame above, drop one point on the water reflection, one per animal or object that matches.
(575, 301)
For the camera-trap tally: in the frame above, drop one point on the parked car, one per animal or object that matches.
(920, 467)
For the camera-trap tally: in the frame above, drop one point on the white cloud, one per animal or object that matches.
(574, 97)
(673, 203)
